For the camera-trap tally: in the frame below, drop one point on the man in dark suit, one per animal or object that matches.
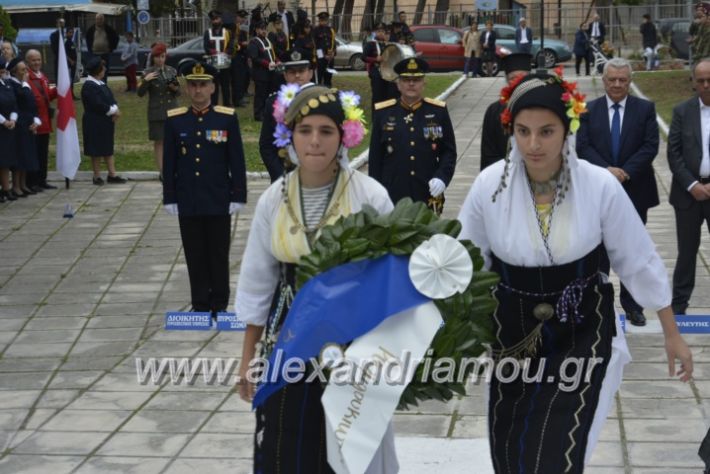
(488, 44)
(324, 37)
(597, 30)
(494, 140)
(689, 160)
(287, 19)
(413, 149)
(620, 133)
(204, 183)
(523, 37)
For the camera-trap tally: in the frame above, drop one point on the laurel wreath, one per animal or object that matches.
(467, 315)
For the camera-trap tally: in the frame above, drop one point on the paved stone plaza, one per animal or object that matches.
(82, 298)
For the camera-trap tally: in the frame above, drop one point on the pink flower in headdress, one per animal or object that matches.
(279, 111)
(353, 133)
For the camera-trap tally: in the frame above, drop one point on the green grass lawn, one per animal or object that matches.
(666, 88)
(134, 152)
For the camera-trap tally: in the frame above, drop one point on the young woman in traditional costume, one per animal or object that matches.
(318, 125)
(542, 218)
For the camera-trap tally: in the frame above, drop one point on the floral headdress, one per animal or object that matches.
(571, 97)
(352, 125)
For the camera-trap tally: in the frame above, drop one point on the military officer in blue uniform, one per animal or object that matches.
(412, 148)
(204, 183)
(296, 71)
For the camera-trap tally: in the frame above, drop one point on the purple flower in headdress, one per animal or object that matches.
(282, 135)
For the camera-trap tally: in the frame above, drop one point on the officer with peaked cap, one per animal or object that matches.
(204, 183)
(296, 71)
(324, 37)
(412, 148)
(494, 140)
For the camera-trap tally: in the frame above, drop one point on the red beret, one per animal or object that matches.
(158, 49)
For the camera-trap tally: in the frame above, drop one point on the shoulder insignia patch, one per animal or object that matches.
(224, 110)
(177, 111)
(385, 103)
(437, 102)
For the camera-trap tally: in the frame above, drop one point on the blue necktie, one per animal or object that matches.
(615, 134)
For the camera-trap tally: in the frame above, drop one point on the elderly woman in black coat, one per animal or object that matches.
(99, 120)
(25, 130)
(8, 122)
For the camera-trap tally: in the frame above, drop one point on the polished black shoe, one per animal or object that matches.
(2, 197)
(28, 191)
(98, 181)
(18, 195)
(115, 179)
(636, 318)
(9, 195)
(37, 189)
(47, 186)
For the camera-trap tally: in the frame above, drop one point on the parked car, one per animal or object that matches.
(665, 26)
(679, 39)
(441, 46)
(115, 63)
(190, 49)
(348, 55)
(556, 51)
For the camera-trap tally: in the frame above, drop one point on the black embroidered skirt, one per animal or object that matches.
(540, 416)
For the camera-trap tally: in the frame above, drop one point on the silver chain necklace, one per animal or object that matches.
(540, 225)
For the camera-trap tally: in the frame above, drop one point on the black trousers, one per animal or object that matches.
(324, 77)
(627, 301)
(39, 177)
(223, 83)
(205, 240)
(262, 89)
(688, 226)
(578, 62)
(240, 71)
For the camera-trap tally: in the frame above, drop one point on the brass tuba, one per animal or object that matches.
(392, 54)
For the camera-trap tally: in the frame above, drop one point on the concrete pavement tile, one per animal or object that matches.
(75, 309)
(33, 464)
(10, 439)
(54, 349)
(63, 297)
(190, 466)
(12, 418)
(678, 430)
(230, 422)
(144, 444)
(79, 379)
(211, 445)
(168, 349)
(105, 322)
(667, 454)
(234, 403)
(18, 398)
(86, 420)
(186, 401)
(7, 336)
(607, 454)
(90, 363)
(23, 298)
(406, 424)
(7, 324)
(92, 400)
(165, 421)
(122, 382)
(62, 323)
(125, 298)
(60, 442)
(664, 470)
(119, 309)
(122, 465)
(23, 380)
(44, 336)
(659, 408)
(110, 334)
(17, 311)
(657, 389)
(470, 427)
(102, 349)
(39, 416)
(603, 470)
(57, 398)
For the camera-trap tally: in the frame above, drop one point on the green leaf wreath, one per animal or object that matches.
(467, 315)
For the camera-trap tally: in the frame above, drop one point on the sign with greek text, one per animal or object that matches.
(185, 320)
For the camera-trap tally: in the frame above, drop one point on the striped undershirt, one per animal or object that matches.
(315, 202)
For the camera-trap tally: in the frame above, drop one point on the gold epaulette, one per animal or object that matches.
(224, 110)
(177, 111)
(437, 102)
(385, 104)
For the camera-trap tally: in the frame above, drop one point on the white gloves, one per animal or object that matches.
(171, 209)
(436, 187)
(235, 207)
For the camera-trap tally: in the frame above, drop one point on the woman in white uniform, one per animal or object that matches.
(317, 128)
(541, 218)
